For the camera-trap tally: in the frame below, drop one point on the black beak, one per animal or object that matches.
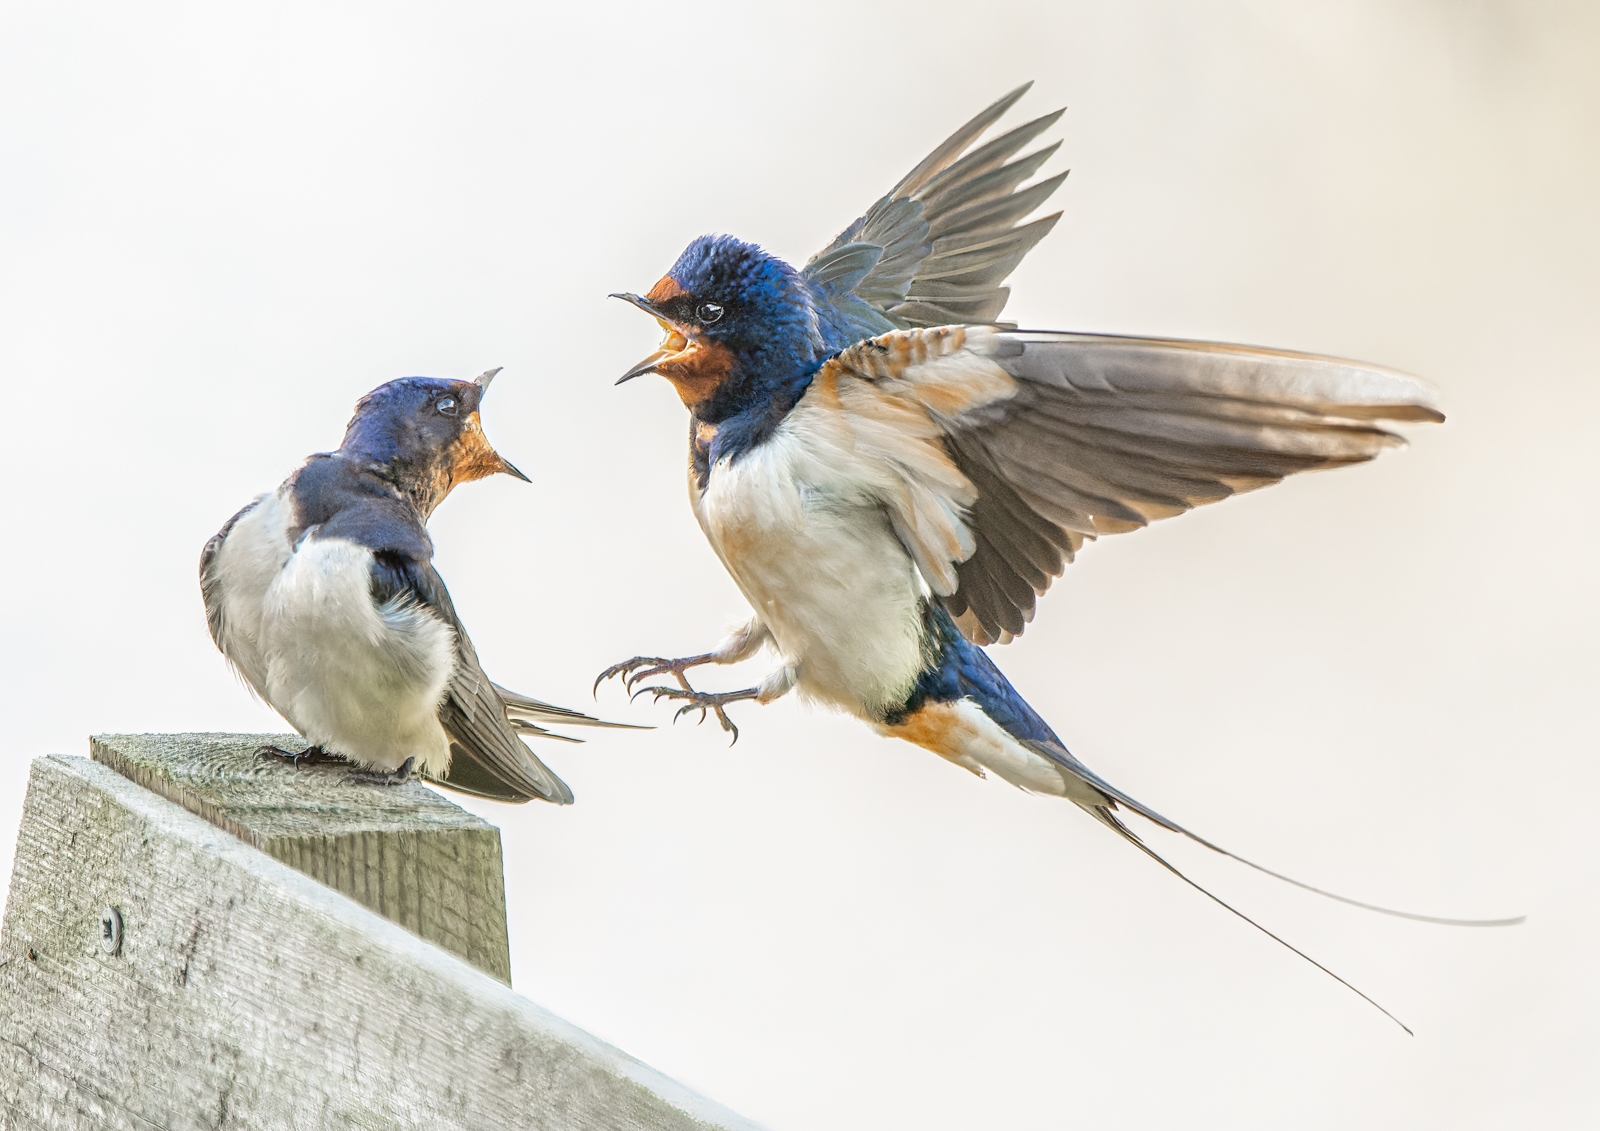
(640, 301)
(649, 364)
(505, 466)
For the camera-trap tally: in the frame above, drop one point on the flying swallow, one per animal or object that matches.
(893, 477)
(323, 597)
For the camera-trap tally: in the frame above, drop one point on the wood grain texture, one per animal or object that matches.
(247, 995)
(403, 851)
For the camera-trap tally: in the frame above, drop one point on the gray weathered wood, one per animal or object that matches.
(403, 851)
(247, 995)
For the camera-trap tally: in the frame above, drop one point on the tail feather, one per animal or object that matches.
(525, 714)
(1065, 760)
(1110, 819)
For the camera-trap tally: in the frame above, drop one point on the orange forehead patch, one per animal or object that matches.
(665, 290)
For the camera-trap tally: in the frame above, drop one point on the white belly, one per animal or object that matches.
(357, 679)
(814, 554)
(300, 626)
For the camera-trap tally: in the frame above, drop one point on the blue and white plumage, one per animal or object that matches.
(323, 596)
(893, 478)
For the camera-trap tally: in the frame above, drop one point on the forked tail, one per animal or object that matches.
(1062, 758)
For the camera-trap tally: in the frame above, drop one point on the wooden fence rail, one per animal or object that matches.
(157, 971)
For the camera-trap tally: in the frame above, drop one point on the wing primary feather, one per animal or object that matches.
(992, 185)
(487, 758)
(989, 263)
(956, 144)
(997, 215)
(990, 155)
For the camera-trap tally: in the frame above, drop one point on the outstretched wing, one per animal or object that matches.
(487, 758)
(1048, 439)
(936, 248)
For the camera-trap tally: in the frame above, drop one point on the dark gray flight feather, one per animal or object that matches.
(935, 250)
(1107, 434)
(487, 758)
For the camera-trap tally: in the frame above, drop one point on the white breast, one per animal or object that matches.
(801, 527)
(358, 679)
(299, 625)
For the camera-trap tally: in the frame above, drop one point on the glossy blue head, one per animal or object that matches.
(424, 435)
(741, 327)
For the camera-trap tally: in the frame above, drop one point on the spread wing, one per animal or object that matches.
(1049, 439)
(936, 248)
(487, 758)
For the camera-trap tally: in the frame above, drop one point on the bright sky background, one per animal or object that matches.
(220, 225)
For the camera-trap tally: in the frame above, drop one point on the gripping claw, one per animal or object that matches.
(646, 667)
(705, 702)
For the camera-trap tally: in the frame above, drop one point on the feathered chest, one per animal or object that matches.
(800, 523)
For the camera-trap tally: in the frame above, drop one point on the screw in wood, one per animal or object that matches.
(111, 931)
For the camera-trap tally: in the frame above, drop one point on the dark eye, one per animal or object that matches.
(446, 405)
(709, 312)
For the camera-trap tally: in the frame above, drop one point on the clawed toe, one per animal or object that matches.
(310, 756)
(641, 668)
(705, 702)
(382, 777)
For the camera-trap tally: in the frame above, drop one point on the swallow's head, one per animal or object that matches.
(738, 321)
(424, 435)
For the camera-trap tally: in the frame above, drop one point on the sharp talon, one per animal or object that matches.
(706, 702)
(635, 671)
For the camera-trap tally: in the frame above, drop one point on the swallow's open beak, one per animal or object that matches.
(674, 345)
(481, 457)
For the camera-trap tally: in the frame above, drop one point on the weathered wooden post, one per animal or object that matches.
(169, 961)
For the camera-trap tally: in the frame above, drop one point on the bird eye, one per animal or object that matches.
(446, 405)
(709, 312)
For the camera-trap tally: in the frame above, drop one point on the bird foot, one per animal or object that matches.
(385, 777)
(703, 701)
(310, 756)
(641, 668)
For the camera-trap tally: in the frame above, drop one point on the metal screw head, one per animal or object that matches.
(111, 931)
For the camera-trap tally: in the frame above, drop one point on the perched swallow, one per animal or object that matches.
(893, 478)
(323, 597)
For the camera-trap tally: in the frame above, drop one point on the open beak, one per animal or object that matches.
(674, 345)
(494, 459)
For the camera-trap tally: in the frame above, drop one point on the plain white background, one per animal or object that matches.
(220, 225)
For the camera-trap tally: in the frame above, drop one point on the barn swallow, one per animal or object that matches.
(893, 477)
(323, 597)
